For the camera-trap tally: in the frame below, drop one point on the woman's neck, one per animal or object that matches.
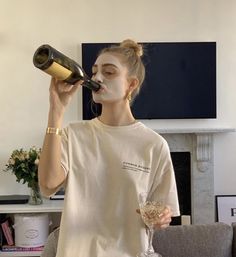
(116, 115)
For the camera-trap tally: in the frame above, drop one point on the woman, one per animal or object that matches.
(106, 162)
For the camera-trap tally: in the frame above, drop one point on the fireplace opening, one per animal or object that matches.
(182, 166)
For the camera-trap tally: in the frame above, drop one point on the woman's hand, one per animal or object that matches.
(61, 94)
(164, 219)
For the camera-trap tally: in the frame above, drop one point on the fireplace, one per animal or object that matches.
(198, 143)
(201, 172)
(182, 166)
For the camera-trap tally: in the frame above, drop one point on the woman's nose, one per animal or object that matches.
(98, 77)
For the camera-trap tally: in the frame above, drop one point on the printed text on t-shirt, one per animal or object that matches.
(135, 167)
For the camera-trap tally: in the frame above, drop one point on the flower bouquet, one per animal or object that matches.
(24, 165)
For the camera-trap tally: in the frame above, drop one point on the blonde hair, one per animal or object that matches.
(130, 53)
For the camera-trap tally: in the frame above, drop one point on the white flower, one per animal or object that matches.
(36, 162)
(21, 157)
(11, 161)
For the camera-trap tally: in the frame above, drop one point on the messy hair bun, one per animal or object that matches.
(130, 53)
(137, 48)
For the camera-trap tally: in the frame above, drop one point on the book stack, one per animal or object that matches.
(6, 231)
(13, 248)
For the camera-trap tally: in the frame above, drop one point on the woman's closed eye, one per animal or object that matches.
(94, 72)
(108, 72)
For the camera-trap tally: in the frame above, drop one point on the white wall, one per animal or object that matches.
(26, 24)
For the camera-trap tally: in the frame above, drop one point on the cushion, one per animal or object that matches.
(211, 240)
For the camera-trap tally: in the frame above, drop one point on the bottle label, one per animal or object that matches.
(58, 71)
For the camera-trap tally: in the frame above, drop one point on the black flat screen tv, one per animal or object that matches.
(180, 81)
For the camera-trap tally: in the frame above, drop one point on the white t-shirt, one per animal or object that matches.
(107, 168)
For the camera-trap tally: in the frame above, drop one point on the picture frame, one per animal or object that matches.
(226, 208)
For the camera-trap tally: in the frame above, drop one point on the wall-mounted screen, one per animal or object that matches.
(180, 81)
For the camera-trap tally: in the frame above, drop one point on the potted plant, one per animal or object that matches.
(24, 165)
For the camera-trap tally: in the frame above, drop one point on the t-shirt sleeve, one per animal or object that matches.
(164, 184)
(65, 151)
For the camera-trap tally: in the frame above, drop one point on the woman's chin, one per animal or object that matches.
(100, 99)
(105, 99)
(97, 100)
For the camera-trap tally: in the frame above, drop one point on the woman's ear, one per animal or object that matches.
(133, 83)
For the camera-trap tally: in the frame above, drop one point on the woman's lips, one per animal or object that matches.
(102, 89)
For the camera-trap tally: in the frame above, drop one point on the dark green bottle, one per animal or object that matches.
(62, 67)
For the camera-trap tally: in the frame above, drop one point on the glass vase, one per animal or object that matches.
(35, 195)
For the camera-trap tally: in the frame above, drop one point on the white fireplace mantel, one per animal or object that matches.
(203, 142)
(192, 130)
(199, 142)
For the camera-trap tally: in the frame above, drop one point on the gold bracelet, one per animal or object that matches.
(56, 131)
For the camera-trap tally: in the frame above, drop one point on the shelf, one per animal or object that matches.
(47, 206)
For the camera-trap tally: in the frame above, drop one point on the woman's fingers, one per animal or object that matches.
(64, 87)
(74, 88)
(165, 218)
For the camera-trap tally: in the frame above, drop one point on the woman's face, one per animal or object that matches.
(113, 77)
